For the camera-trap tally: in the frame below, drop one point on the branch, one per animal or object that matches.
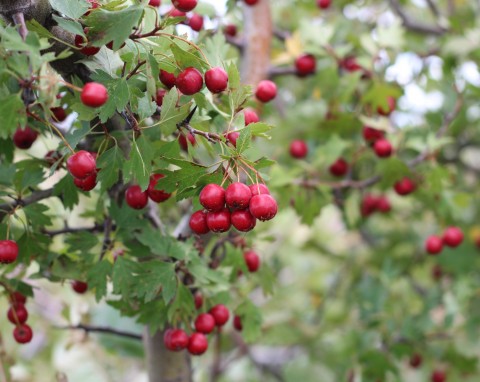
(276, 71)
(413, 25)
(66, 229)
(7, 208)
(100, 329)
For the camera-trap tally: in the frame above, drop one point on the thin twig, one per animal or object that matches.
(101, 329)
(7, 208)
(413, 25)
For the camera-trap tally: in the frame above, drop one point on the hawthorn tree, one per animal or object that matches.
(139, 165)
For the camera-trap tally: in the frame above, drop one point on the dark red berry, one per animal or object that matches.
(157, 196)
(258, 189)
(197, 344)
(324, 4)
(383, 148)
(23, 334)
(198, 222)
(266, 91)
(182, 141)
(198, 300)
(298, 149)
(243, 220)
(391, 103)
(184, 5)
(305, 65)
(216, 79)
(383, 204)
(17, 314)
(8, 251)
(175, 339)
(251, 116)
(230, 30)
(159, 96)
(350, 64)
(369, 205)
(83, 43)
(371, 135)
(24, 138)
(190, 81)
(221, 314)
(404, 186)
(339, 167)
(433, 245)
(155, 3)
(59, 114)
(205, 323)
(237, 323)
(196, 22)
(136, 198)
(416, 360)
(232, 137)
(86, 184)
(79, 286)
(212, 197)
(237, 196)
(264, 207)
(251, 2)
(219, 221)
(438, 376)
(168, 79)
(252, 260)
(17, 298)
(453, 237)
(81, 164)
(94, 94)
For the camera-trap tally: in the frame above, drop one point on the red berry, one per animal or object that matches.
(405, 186)
(8, 251)
(205, 323)
(250, 115)
(174, 12)
(416, 360)
(371, 135)
(237, 323)
(198, 223)
(93, 5)
(190, 81)
(252, 260)
(237, 196)
(263, 207)
(266, 91)
(219, 221)
(230, 30)
(324, 4)
(383, 204)
(81, 164)
(94, 94)
(17, 298)
(350, 64)
(216, 79)
(23, 334)
(87, 184)
(182, 141)
(175, 339)
(453, 237)
(212, 197)
(59, 114)
(339, 167)
(258, 189)
(17, 314)
(251, 2)
(157, 196)
(221, 314)
(155, 3)
(391, 102)
(298, 149)
(243, 220)
(159, 96)
(184, 5)
(24, 138)
(197, 344)
(369, 205)
(232, 137)
(82, 43)
(438, 376)
(136, 198)
(52, 157)
(383, 148)
(433, 245)
(305, 65)
(79, 286)
(196, 22)
(168, 79)
(198, 300)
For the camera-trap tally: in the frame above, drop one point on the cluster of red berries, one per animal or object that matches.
(373, 203)
(138, 199)
(17, 314)
(452, 237)
(8, 251)
(83, 167)
(239, 205)
(376, 138)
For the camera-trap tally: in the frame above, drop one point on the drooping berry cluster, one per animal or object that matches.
(17, 314)
(239, 205)
(83, 167)
(452, 237)
(373, 203)
(138, 199)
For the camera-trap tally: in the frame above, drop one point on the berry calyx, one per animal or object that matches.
(305, 65)
(198, 222)
(23, 334)
(79, 286)
(94, 94)
(266, 91)
(237, 323)
(184, 5)
(81, 164)
(433, 245)
(8, 251)
(197, 344)
(416, 360)
(196, 22)
(452, 237)
(219, 221)
(258, 189)
(221, 314)
(339, 167)
(24, 138)
(252, 260)
(136, 198)
(212, 197)
(175, 339)
(251, 116)
(324, 4)
(264, 207)
(168, 79)
(205, 323)
(190, 81)
(404, 186)
(383, 148)
(237, 196)
(157, 196)
(298, 149)
(17, 314)
(243, 220)
(87, 184)
(216, 80)
(391, 103)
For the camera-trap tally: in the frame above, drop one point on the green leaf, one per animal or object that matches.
(171, 115)
(187, 177)
(244, 140)
(73, 9)
(67, 190)
(12, 115)
(37, 215)
(139, 165)
(81, 241)
(251, 321)
(164, 246)
(110, 163)
(391, 170)
(97, 278)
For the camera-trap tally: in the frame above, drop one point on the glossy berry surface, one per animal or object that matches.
(433, 245)
(243, 220)
(237, 323)
(155, 3)
(305, 65)
(252, 260)
(17, 314)
(24, 138)
(266, 91)
(168, 79)
(251, 116)
(221, 314)
(59, 114)
(232, 137)
(204, 323)
(405, 186)
(386, 111)
(298, 149)
(258, 189)
(216, 79)
(198, 222)
(184, 5)
(339, 167)
(81, 164)
(212, 197)
(196, 22)
(453, 237)
(383, 148)
(136, 198)
(264, 207)
(23, 334)
(86, 184)
(219, 221)
(197, 344)
(175, 339)
(237, 196)
(79, 286)
(8, 251)
(157, 196)
(324, 4)
(94, 94)
(190, 81)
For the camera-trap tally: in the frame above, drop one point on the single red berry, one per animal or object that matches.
(230, 30)
(81, 164)
(216, 79)
(391, 103)
(175, 339)
(159, 96)
(243, 220)
(94, 94)
(59, 114)
(438, 376)
(17, 298)
(198, 223)
(405, 186)
(324, 4)
(433, 245)
(350, 64)
(264, 207)
(79, 286)
(24, 138)
(339, 167)
(52, 157)
(212, 197)
(197, 344)
(168, 79)
(232, 137)
(219, 221)
(198, 300)
(22, 334)
(383, 204)
(86, 184)
(453, 237)
(252, 260)
(205, 323)
(155, 3)
(416, 360)
(383, 148)
(221, 314)
(136, 198)
(371, 135)
(369, 205)
(182, 141)
(237, 196)
(305, 65)
(250, 115)
(196, 22)
(298, 149)
(157, 196)
(190, 81)
(184, 5)
(174, 12)
(237, 323)
(8, 251)
(84, 47)
(17, 314)
(266, 91)
(251, 2)
(258, 189)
